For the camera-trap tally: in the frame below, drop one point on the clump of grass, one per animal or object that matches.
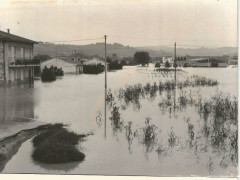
(57, 145)
(115, 118)
(169, 85)
(203, 81)
(172, 139)
(110, 98)
(149, 134)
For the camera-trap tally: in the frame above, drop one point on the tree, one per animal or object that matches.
(214, 63)
(123, 62)
(185, 65)
(167, 64)
(157, 65)
(109, 60)
(142, 57)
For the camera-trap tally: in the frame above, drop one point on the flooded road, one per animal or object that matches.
(147, 139)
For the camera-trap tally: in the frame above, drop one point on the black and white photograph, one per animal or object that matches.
(145, 88)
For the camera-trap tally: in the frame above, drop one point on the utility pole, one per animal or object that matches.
(175, 63)
(175, 75)
(56, 50)
(105, 98)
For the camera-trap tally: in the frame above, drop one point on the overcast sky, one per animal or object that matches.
(129, 22)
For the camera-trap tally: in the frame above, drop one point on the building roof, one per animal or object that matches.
(73, 62)
(197, 59)
(63, 60)
(10, 37)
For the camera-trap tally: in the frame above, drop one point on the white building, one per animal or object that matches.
(169, 59)
(94, 61)
(68, 67)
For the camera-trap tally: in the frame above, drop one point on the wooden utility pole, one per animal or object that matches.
(175, 75)
(105, 98)
(175, 64)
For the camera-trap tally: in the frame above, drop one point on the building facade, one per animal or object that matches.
(16, 59)
(68, 66)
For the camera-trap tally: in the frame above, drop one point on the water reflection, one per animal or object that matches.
(66, 167)
(17, 104)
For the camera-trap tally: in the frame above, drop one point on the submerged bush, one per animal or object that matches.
(115, 118)
(114, 65)
(57, 145)
(60, 135)
(47, 75)
(149, 135)
(93, 68)
(157, 65)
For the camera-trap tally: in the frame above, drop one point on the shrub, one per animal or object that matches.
(167, 64)
(115, 65)
(93, 68)
(57, 145)
(59, 134)
(57, 71)
(185, 65)
(47, 75)
(157, 65)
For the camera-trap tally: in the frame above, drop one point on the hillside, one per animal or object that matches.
(88, 50)
(127, 51)
(231, 51)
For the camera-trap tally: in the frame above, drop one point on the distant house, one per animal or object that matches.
(68, 66)
(233, 61)
(16, 59)
(93, 61)
(77, 57)
(198, 61)
(158, 60)
(167, 58)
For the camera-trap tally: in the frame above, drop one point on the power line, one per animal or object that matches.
(74, 40)
(154, 38)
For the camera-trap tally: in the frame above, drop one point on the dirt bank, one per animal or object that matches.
(10, 145)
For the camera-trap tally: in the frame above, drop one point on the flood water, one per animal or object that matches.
(177, 145)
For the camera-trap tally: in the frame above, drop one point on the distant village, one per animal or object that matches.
(17, 63)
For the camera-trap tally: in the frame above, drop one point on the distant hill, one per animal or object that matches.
(127, 51)
(231, 51)
(88, 50)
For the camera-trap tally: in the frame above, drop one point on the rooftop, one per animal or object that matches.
(10, 37)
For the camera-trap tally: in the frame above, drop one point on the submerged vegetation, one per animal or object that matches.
(115, 65)
(93, 68)
(133, 93)
(57, 145)
(49, 74)
(216, 133)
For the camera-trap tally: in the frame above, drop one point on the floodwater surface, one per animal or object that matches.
(148, 136)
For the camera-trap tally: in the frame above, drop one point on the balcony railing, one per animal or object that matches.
(25, 62)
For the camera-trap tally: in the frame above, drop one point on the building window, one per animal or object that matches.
(31, 53)
(13, 53)
(23, 53)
